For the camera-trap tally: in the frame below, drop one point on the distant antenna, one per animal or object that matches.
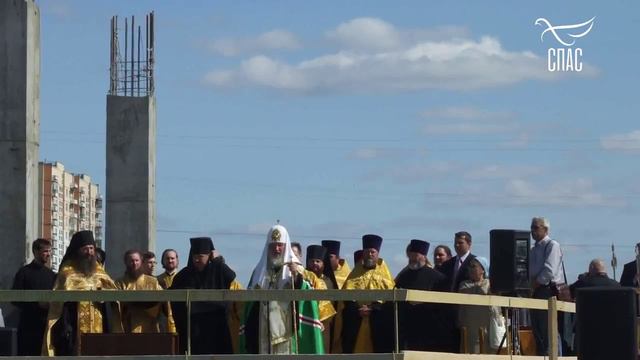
(614, 260)
(132, 76)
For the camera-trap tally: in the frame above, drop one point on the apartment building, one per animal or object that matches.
(67, 203)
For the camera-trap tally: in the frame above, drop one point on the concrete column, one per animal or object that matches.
(19, 133)
(131, 178)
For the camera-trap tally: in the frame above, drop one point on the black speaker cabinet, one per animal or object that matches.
(8, 342)
(606, 323)
(509, 257)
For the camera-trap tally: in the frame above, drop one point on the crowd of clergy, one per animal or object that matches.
(264, 327)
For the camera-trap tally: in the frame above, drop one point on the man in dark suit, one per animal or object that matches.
(456, 271)
(629, 272)
(456, 268)
(597, 276)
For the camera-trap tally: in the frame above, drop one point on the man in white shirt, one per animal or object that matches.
(545, 269)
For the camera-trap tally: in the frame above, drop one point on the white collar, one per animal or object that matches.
(464, 257)
(543, 241)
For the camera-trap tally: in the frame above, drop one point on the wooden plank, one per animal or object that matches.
(454, 298)
(566, 306)
(278, 295)
(418, 355)
(524, 303)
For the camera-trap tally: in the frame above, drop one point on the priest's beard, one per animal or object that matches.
(88, 265)
(135, 273)
(415, 265)
(276, 262)
(369, 263)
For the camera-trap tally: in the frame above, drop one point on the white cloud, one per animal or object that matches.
(271, 40)
(378, 35)
(570, 193)
(623, 142)
(420, 222)
(451, 65)
(258, 228)
(373, 56)
(367, 34)
(495, 171)
(465, 113)
(416, 173)
(365, 153)
(341, 230)
(519, 141)
(485, 127)
(370, 153)
(467, 120)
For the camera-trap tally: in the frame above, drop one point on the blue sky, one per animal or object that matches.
(409, 120)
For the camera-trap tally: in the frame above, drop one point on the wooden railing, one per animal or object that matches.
(552, 306)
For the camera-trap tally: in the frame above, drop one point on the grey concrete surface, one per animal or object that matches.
(19, 135)
(131, 172)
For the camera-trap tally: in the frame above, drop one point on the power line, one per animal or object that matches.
(329, 190)
(358, 140)
(352, 237)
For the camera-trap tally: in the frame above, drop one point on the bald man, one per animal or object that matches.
(596, 276)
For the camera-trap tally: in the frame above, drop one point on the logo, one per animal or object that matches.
(567, 58)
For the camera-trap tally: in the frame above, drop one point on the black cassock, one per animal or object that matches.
(209, 327)
(33, 318)
(425, 326)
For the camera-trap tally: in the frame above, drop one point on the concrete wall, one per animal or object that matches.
(19, 132)
(130, 215)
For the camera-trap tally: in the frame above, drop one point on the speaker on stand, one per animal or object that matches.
(509, 276)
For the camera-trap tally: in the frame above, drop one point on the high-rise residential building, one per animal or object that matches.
(67, 203)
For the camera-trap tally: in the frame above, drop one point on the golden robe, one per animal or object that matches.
(360, 278)
(144, 317)
(342, 272)
(89, 315)
(165, 280)
(234, 317)
(324, 306)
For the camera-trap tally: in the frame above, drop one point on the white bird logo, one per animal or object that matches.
(587, 24)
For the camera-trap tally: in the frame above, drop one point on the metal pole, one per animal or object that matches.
(146, 54)
(138, 62)
(133, 19)
(188, 323)
(552, 331)
(152, 51)
(126, 52)
(111, 60)
(396, 325)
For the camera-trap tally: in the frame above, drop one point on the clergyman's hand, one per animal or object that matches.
(295, 269)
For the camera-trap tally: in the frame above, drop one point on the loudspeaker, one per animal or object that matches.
(8, 342)
(606, 323)
(509, 257)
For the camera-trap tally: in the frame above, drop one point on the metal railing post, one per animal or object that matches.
(188, 323)
(396, 325)
(552, 329)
